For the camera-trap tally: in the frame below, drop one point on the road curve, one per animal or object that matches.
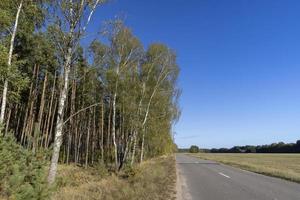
(209, 180)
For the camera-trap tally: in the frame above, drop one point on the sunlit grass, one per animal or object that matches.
(153, 180)
(286, 166)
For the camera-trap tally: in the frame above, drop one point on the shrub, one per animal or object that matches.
(22, 173)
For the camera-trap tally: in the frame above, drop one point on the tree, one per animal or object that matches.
(194, 149)
(69, 30)
(158, 79)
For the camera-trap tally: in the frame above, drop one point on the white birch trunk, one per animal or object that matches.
(114, 129)
(12, 40)
(74, 20)
(142, 148)
(134, 147)
(114, 118)
(160, 79)
(60, 121)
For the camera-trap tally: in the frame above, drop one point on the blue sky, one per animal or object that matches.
(240, 65)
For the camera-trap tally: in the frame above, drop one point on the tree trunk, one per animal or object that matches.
(134, 147)
(28, 107)
(7, 121)
(128, 143)
(18, 121)
(87, 141)
(48, 132)
(114, 130)
(41, 110)
(78, 146)
(102, 132)
(93, 136)
(142, 147)
(42, 104)
(59, 120)
(108, 130)
(72, 125)
(52, 123)
(31, 116)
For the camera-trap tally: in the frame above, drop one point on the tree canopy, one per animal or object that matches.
(112, 102)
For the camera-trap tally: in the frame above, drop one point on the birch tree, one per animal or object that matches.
(123, 54)
(160, 74)
(72, 19)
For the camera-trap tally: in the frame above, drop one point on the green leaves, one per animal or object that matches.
(145, 84)
(3, 59)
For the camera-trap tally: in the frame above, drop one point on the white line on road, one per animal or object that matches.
(224, 175)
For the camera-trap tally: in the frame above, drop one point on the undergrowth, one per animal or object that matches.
(22, 173)
(151, 180)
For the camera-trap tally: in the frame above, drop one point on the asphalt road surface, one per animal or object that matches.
(208, 180)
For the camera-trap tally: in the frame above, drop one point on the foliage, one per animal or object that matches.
(31, 17)
(272, 148)
(194, 149)
(22, 173)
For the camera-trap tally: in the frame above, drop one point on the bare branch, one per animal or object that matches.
(79, 111)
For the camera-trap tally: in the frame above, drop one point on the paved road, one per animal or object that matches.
(209, 180)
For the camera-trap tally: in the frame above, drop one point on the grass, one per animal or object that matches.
(286, 166)
(153, 180)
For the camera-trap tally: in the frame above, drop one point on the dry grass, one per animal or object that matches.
(153, 180)
(286, 166)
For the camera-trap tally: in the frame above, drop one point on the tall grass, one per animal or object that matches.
(286, 166)
(153, 180)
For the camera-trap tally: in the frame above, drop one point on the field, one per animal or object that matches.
(286, 166)
(155, 179)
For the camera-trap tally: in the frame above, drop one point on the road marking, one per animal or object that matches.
(224, 175)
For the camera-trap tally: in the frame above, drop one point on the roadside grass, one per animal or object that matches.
(154, 179)
(286, 166)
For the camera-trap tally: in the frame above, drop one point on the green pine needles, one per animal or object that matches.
(22, 173)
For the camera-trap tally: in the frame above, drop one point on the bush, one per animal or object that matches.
(194, 149)
(22, 174)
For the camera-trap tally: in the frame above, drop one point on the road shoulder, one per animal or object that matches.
(182, 192)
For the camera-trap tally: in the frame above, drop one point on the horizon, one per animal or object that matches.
(238, 145)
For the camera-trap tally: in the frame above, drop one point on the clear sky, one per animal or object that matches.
(240, 65)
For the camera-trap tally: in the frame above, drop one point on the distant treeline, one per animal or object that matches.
(192, 149)
(280, 147)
